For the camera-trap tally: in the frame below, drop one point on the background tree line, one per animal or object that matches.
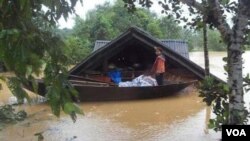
(107, 21)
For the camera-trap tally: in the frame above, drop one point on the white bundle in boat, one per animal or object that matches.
(142, 80)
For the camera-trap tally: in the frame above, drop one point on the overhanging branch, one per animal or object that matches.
(215, 13)
(219, 19)
(241, 22)
(193, 3)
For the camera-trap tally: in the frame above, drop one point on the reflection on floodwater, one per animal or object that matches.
(177, 118)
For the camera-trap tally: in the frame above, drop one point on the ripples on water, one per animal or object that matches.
(132, 120)
(175, 119)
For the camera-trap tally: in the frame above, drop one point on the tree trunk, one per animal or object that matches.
(235, 81)
(206, 57)
(207, 72)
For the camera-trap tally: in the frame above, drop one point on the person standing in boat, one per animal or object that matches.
(158, 68)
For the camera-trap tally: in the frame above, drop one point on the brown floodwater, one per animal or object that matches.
(177, 118)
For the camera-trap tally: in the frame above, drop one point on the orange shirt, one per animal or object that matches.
(159, 65)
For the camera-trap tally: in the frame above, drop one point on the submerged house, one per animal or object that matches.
(133, 53)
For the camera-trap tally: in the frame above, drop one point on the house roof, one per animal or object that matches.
(135, 34)
(178, 46)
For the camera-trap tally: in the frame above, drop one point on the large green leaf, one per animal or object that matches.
(72, 110)
(28, 42)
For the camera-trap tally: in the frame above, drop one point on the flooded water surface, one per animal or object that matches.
(174, 118)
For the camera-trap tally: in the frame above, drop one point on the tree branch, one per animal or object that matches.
(241, 22)
(193, 3)
(219, 19)
(216, 13)
(246, 4)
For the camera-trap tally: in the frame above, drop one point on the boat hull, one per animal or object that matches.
(98, 93)
(127, 93)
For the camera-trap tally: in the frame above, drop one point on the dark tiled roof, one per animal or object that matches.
(178, 46)
(99, 44)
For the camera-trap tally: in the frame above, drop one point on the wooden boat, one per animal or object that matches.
(93, 93)
(96, 91)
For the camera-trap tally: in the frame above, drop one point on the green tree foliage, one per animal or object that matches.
(215, 94)
(8, 114)
(107, 21)
(76, 49)
(170, 30)
(154, 29)
(247, 83)
(28, 42)
(247, 45)
(214, 41)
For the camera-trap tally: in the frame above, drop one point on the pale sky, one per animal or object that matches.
(81, 10)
